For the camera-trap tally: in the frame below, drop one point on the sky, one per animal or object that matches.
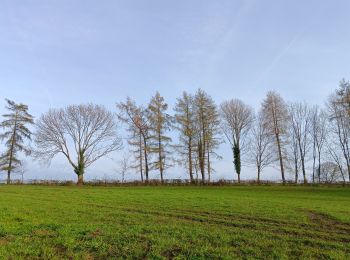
(59, 52)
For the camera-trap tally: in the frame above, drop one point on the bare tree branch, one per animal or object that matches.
(90, 129)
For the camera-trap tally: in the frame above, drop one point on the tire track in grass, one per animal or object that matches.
(311, 231)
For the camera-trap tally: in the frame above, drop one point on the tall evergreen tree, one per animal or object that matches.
(160, 124)
(16, 131)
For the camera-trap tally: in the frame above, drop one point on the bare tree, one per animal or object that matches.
(82, 133)
(261, 143)
(293, 162)
(21, 170)
(335, 155)
(300, 121)
(329, 173)
(340, 126)
(318, 131)
(124, 166)
(138, 127)
(236, 121)
(276, 117)
(16, 133)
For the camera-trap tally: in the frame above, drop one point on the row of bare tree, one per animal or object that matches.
(302, 140)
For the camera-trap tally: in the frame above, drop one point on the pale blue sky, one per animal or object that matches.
(54, 53)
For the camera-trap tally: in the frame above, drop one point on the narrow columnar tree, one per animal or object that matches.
(207, 120)
(318, 131)
(16, 132)
(160, 124)
(236, 121)
(138, 127)
(300, 122)
(276, 117)
(261, 152)
(82, 133)
(186, 125)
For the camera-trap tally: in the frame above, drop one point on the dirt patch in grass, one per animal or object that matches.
(4, 241)
(44, 233)
(96, 233)
(172, 252)
(61, 250)
(328, 223)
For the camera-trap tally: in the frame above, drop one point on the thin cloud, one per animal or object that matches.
(278, 57)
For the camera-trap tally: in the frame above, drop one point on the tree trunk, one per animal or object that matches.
(141, 163)
(303, 168)
(146, 158)
(237, 160)
(79, 169)
(208, 162)
(203, 147)
(313, 169)
(80, 179)
(280, 156)
(201, 160)
(190, 159)
(8, 177)
(342, 174)
(160, 158)
(13, 141)
(319, 168)
(259, 170)
(296, 170)
(302, 157)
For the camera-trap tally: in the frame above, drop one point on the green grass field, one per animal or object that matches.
(174, 222)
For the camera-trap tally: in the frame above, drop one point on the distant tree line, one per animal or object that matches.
(307, 142)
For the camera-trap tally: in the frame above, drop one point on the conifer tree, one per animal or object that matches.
(160, 124)
(138, 127)
(207, 120)
(185, 124)
(16, 132)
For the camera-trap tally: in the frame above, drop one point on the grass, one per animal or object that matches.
(174, 222)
